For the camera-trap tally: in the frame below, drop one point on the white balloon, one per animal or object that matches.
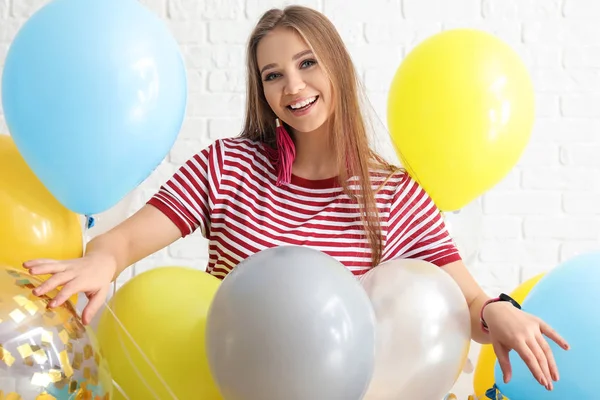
(423, 330)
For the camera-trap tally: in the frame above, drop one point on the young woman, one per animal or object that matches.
(301, 172)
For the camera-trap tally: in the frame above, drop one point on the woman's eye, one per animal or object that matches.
(270, 77)
(308, 63)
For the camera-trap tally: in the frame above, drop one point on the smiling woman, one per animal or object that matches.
(340, 197)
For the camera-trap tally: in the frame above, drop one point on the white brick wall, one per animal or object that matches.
(546, 210)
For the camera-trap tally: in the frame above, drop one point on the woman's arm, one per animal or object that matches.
(509, 329)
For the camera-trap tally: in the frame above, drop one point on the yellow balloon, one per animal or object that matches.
(460, 113)
(164, 310)
(483, 377)
(33, 223)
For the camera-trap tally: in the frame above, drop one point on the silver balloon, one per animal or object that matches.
(291, 323)
(423, 330)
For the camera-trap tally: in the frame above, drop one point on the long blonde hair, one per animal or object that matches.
(349, 133)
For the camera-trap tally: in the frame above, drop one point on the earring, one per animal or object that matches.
(286, 152)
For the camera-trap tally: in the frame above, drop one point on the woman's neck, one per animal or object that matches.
(315, 155)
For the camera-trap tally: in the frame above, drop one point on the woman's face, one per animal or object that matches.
(295, 86)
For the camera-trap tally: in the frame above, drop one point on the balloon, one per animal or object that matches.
(291, 323)
(99, 105)
(565, 298)
(163, 311)
(34, 224)
(423, 330)
(460, 113)
(483, 378)
(46, 351)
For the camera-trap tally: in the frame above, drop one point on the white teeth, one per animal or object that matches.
(303, 103)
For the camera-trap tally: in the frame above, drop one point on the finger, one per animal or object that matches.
(39, 261)
(50, 268)
(531, 361)
(52, 283)
(64, 294)
(549, 356)
(552, 334)
(95, 303)
(503, 361)
(542, 361)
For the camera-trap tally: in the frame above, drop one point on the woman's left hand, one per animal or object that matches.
(514, 329)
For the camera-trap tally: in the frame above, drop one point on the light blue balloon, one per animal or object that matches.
(566, 298)
(94, 94)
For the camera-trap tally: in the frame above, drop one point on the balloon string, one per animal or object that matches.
(120, 389)
(152, 367)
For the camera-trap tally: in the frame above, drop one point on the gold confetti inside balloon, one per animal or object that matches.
(46, 354)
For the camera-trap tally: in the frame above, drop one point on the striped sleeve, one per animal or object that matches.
(189, 195)
(416, 228)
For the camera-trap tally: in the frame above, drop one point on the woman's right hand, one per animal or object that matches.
(91, 274)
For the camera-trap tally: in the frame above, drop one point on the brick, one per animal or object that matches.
(512, 181)
(501, 227)
(560, 178)
(554, 80)
(9, 28)
(582, 202)
(566, 130)
(351, 32)
(229, 32)
(190, 247)
(196, 81)
(492, 273)
(507, 31)
(409, 33)
(195, 10)
(585, 80)
(522, 202)
(227, 81)
(547, 105)
(215, 105)
(543, 251)
(376, 55)
(578, 9)
(193, 128)
(256, 8)
(439, 10)
(158, 7)
(561, 227)
(188, 32)
(561, 31)
(26, 8)
(185, 149)
(521, 9)
(160, 175)
(576, 56)
(215, 57)
(540, 154)
(580, 154)
(580, 105)
(219, 128)
(4, 9)
(379, 79)
(363, 11)
(572, 248)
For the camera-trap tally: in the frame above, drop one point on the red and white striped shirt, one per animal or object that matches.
(228, 191)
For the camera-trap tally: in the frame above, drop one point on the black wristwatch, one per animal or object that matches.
(502, 297)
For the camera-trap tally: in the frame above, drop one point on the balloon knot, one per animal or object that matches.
(90, 221)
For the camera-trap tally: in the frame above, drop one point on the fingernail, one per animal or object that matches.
(52, 304)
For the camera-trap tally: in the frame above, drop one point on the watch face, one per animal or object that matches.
(505, 297)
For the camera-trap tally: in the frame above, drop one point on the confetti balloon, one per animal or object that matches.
(45, 354)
